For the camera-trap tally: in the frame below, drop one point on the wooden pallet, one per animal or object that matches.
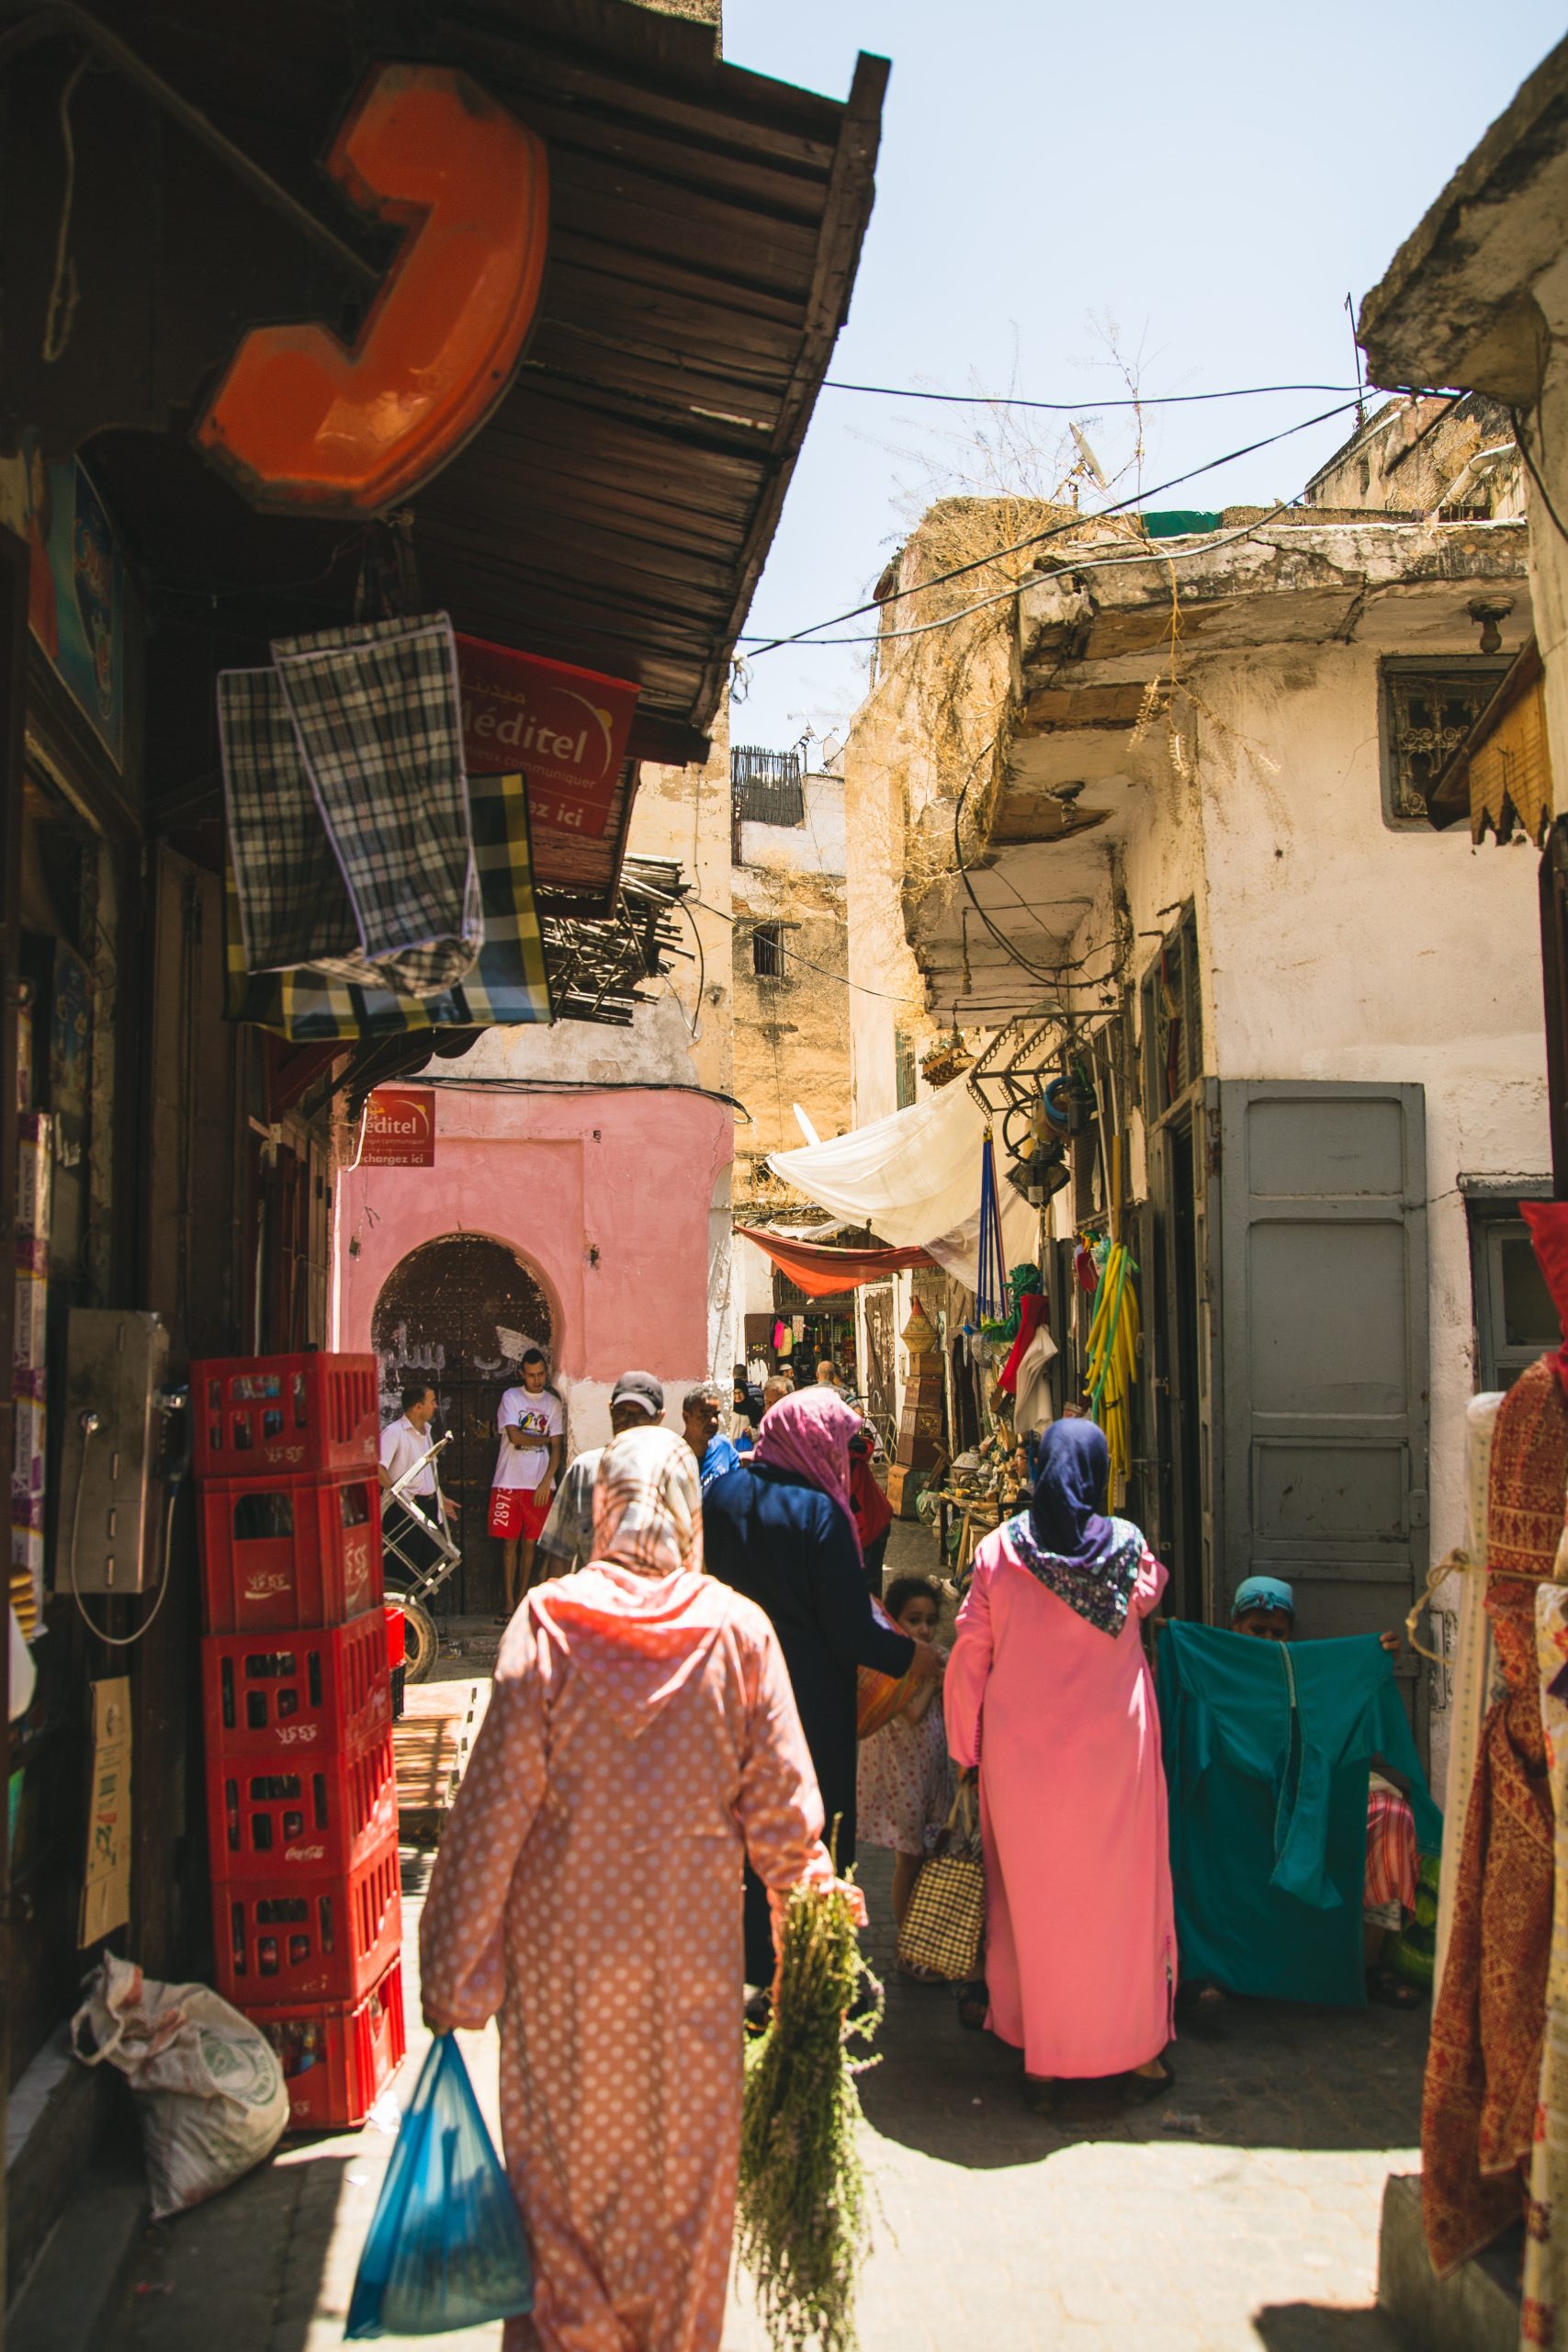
(433, 1740)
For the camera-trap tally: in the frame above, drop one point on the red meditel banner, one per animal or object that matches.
(400, 1129)
(566, 729)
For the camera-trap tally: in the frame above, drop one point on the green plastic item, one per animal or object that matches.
(1180, 522)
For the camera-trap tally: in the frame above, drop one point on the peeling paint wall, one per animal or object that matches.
(791, 1031)
(1332, 946)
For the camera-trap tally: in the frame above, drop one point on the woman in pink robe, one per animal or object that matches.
(1048, 1693)
(641, 1739)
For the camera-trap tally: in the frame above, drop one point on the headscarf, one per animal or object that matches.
(1065, 1540)
(1263, 1592)
(809, 1434)
(648, 1505)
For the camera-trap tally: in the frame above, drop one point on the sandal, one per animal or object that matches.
(1039, 2093)
(974, 2006)
(1393, 1991)
(759, 2012)
(1141, 2088)
(919, 1975)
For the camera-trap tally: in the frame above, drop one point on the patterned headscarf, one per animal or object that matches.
(809, 1433)
(648, 1504)
(1065, 1538)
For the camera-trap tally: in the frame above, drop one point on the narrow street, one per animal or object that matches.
(1240, 2215)
(750, 766)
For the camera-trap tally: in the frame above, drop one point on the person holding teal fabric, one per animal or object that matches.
(1269, 1749)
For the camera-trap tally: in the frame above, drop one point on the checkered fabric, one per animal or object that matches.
(945, 1923)
(289, 891)
(373, 723)
(507, 987)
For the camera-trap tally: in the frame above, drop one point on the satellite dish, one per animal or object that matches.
(807, 1129)
(1088, 459)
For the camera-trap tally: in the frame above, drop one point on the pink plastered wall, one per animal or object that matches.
(558, 1178)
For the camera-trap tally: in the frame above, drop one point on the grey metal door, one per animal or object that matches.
(1323, 1375)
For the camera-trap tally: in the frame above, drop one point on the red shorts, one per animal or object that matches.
(518, 1512)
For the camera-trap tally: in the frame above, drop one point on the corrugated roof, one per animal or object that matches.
(705, 227)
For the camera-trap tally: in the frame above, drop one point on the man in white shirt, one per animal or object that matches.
(532, 1425)
(404, 1442)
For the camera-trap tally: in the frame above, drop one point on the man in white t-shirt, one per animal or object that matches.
(532, 1425)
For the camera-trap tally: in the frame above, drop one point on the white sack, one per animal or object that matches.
(213, 2100)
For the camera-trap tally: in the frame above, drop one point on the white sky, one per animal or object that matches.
(1213, 178)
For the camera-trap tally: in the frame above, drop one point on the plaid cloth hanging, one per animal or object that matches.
(348, 817)
(508, 987)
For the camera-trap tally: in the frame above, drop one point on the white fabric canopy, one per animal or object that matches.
(914, 1178)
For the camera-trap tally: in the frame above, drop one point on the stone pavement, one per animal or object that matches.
(1240, 2215)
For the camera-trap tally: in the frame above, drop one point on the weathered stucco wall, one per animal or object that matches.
(1335, 947)
(620, 1198)
(607, 1198)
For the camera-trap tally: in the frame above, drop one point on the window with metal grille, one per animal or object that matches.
(766, 786)
(1428, 708)
(767, 951)
(1173, 1018)
(903, 1069)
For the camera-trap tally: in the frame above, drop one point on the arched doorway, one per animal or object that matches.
(462, 1310)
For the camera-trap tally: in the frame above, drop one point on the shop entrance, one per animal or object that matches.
(462, 1310)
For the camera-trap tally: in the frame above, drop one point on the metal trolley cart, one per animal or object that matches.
(419, 1556)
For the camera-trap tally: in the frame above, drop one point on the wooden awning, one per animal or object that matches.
(1499, 779)
(615, 511)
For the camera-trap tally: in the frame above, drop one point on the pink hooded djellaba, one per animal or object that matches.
(642, 1737)
(1048, 1693)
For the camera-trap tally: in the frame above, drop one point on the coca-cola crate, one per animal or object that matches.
(319, 1691)
(338, 2057)
(270, 1817)
(308, 1935)
(279, 1551)
(253, 1416)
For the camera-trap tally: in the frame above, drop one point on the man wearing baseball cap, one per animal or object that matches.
(637, 1402)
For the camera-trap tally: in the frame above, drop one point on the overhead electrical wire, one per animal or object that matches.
(762, 645)
(1089, 407)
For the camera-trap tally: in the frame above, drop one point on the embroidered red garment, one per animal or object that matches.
(1483, 2060)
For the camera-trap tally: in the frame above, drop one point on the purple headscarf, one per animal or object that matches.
(1065, 1540)
(809, 1433)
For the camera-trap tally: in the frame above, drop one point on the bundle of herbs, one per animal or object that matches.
(802, 2218)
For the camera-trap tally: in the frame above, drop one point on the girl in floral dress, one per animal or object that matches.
(905, 1785)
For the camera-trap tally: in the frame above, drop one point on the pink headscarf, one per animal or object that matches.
(809, 1433)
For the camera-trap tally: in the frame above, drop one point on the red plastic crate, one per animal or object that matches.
(281, 1552)
(337, 2059)
(255, 1415)
(292, 1695)
(271, 1818)
(308, 1935)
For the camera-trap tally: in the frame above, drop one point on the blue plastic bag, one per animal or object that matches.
(445, 2248)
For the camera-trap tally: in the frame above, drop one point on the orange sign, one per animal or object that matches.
(400, 1129)
(301, 420)
(565, 730)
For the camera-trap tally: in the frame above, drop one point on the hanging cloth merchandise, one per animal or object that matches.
(991, 1290)
(508, 987)
(348, 808)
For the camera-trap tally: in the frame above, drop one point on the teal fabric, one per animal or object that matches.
(1268, 1749)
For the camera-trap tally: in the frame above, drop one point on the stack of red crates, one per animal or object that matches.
(301, 1788)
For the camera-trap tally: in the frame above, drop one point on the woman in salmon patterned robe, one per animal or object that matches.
(641, 1738)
